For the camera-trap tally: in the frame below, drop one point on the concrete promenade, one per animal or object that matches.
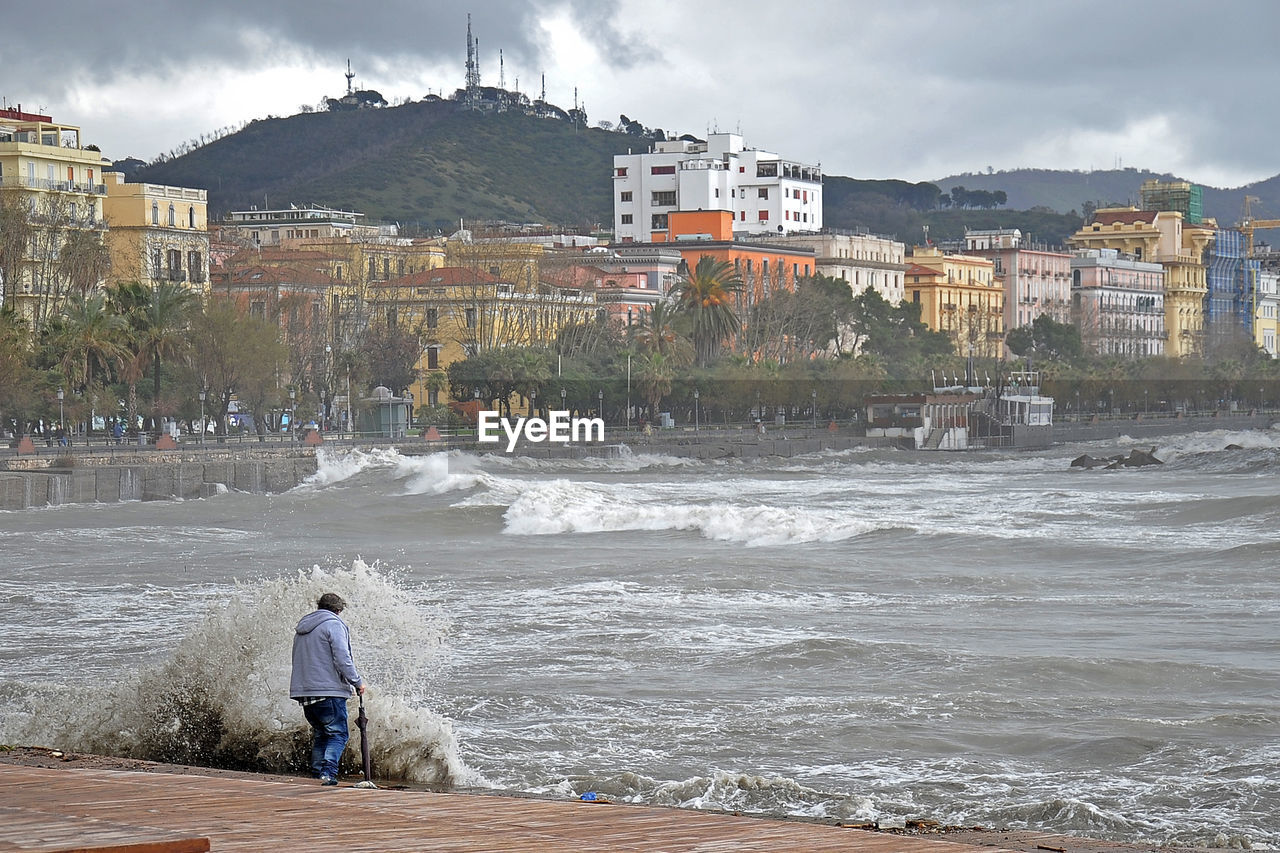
(56, 809)
(53, 802)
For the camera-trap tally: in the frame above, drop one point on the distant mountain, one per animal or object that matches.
(1065, 191)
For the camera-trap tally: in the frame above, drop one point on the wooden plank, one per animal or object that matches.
(114, 807)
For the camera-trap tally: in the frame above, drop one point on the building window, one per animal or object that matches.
(338, 272)
(173, 218)
(662, 170)
(400, 266)
(664, 199)
(764, 216)
(373, 269)
(626, 219)
(620, 172)
(658, 222)
(157, 268)
(155, 217)
(470, 315)
(915, 296)
(763, 192)
(433, 360)
(386, 268)
(195, 266)
(433, 318)
(626, 196)
(393, 318)
(258, 308)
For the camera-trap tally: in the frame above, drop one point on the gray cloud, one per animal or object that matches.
(912, 88)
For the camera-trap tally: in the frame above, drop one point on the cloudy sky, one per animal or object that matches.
(912, 89)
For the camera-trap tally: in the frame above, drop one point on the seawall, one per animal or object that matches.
(148, 476)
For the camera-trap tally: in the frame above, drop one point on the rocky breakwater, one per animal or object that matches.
(149, 475)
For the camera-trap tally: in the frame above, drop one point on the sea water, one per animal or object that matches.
(979, 638)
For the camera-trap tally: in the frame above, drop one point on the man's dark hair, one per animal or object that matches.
(331, 601)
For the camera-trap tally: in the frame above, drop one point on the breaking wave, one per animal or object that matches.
(562, 506)
(222, 698)
(433, 473)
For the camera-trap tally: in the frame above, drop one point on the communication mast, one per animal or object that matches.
(473, 60)
(350, 75)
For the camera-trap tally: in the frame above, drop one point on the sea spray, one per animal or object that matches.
(432, 473)
(221, 699)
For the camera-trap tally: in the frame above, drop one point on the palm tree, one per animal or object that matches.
(706, 297)
(656, 333)
(89, 339)
(655, 376)
(161, 327)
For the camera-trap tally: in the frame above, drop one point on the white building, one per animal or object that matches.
(766, 194)
(274, 227)
(862, 260)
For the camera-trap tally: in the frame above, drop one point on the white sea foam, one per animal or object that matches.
(221, 698)
(561, 506)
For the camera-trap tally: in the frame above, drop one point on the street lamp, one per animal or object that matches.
(814, 396)
(292, 409)
(203, 394)
(695, 409)
(562, 396)
(600, 398)
(534, 400)
(326, 419)
(61, 426)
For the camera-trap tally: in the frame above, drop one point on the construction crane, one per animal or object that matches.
(1248, 224)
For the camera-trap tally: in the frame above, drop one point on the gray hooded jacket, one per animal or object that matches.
(322, 664)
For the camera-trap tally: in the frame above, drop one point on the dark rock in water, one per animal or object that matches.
(1135, 459)
(1233, 447)
(1139, 458)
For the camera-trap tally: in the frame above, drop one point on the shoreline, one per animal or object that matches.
(116, 474)
(1025, 840)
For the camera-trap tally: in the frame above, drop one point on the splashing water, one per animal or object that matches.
(222, 698)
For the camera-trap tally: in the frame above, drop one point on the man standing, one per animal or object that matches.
(323, 675)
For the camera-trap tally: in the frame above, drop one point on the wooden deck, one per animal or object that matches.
(77, 809)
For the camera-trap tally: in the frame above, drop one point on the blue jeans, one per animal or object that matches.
(328, 719)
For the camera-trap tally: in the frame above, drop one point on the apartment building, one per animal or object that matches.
(1231, 304)
(961, 296)
(1164, 237)
(1267, 324)
(1117, 302)
(1036, 279)
(157, 232)
(859, 258)
(764, 193)
(460, 311)
(51, 195)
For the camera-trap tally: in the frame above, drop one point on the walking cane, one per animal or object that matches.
(362, 723)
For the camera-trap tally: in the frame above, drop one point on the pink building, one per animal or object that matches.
(628, 280)
(1117, 302)
(1037, 280)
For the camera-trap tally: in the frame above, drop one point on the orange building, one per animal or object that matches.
(764, 268)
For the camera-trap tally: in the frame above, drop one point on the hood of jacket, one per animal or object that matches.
(311, 621)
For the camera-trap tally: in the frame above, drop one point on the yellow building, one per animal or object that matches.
(959, 295)
(1164, 237)
(458, 312)
(157, 233)
(51, 214)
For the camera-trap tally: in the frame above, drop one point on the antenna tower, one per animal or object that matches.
(544, 89)
(350, 75)
(473, 61)
(502, 71)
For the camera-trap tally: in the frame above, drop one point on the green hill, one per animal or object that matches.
(425, 162)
